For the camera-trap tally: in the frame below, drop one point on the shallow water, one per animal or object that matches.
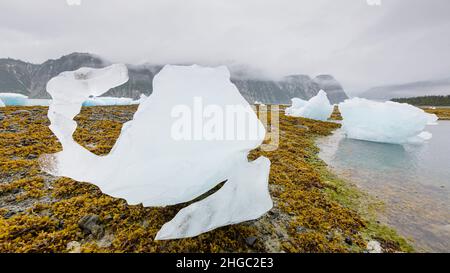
(413, 182)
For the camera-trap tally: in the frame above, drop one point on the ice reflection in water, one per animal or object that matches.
(413, 181)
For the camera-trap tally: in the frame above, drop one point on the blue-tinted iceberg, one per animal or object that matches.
(387, 122)
(1, 103)
(151, 164)
(318, 107)
(13, 99)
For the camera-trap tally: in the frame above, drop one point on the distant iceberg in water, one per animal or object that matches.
(104, 101)
(148, 165)
(13, 99)
(386, 122)
(318, 107)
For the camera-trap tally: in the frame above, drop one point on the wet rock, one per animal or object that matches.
(348, 241)
(60, 225)
(10, 199)
(32, 156)
(9, 214)
(374, 247)
(18, 112)
(250, 240)
(91, 224)
(302, 127)
(73, 247)
(106, 241)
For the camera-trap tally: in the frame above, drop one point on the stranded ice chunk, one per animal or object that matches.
(13, 99)
(295, 106)
(318, 107)
(1, 103)
(387, 122)
(153, 163)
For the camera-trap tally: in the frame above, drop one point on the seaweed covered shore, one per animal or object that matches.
(442, 112)
(313, 210)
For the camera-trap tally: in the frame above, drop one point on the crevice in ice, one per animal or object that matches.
(148, 165)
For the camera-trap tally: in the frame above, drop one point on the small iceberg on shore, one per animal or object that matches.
(151, 165)
(13, 99)
(318, 107)
(386, 122)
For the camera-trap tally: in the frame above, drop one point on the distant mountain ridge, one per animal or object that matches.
(409, 90)
(30, 79)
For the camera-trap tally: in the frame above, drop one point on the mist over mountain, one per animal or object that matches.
(30, 79)
(409, 90)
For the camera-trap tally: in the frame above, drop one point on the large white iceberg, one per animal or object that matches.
(149, 165)
(318, 107)
(13, 99)
(387, 122)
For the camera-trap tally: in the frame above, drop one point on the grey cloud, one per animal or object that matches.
(362, 45)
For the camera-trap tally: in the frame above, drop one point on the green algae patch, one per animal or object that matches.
(313, 211)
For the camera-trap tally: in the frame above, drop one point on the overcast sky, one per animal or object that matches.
(362, 45)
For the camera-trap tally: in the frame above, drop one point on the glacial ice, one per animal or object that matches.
(318, 107)
(149, 165)
(387, 122)
(1, 103)
(13, 99)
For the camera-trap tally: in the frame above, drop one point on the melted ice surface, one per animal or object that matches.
(148, 165)
(318, 107)
(386, 122)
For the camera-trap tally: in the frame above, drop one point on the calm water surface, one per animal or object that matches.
(413, 182)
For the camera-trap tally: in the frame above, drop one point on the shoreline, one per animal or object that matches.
(404, 200)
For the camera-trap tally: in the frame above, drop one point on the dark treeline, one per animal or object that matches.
(426, 100)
